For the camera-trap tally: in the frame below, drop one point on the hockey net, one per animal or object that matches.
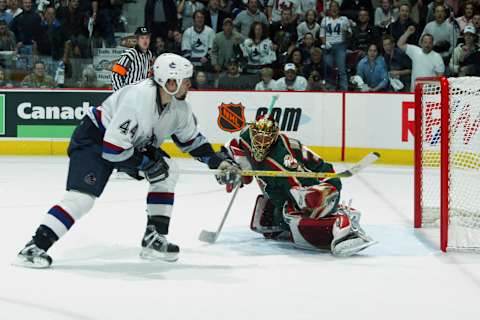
(447, 159)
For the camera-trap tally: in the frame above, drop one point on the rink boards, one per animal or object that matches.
(340, 126)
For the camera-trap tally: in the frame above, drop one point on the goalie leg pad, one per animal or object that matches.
(263, 219)
(308, 233)
(320, 200)
(348, 237)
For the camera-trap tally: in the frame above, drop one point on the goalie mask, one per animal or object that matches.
(263, 134)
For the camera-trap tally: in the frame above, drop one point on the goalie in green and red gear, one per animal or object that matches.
(303, 210)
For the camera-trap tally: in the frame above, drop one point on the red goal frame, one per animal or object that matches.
(444, 154)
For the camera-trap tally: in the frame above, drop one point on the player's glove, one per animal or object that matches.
(230, 172)
(156, 168)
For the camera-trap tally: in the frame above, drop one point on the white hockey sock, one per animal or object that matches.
(74, 205)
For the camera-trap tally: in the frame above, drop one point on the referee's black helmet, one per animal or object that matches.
(142, 31)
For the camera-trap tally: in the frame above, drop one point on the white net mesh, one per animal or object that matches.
(464, 160)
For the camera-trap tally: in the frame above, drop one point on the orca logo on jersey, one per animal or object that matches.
(231, 117)
(90, 179)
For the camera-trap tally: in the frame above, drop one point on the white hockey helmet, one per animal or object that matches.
(171, 66)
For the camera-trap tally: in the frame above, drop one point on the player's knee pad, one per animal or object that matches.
(77, 203)
(263, 217)
(320, 200)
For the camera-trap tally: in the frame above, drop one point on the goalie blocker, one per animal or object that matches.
(305, 211)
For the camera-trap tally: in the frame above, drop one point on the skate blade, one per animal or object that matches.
(349, 247)
(150, 254)
(37, 263)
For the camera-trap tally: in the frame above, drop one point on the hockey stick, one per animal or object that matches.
(359, 166)
(210, 236)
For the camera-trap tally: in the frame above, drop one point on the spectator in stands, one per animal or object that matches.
(350, 8)
(305, 6)
(314, 82)
(306, 46)
(26, 27)
(102, 16)
(291, 81)
(159, 47)
(3, 79)
(197, 41)
(275, 9)
(334, 33)
(73, 23)
(372, 70)
(425, 61)
(398, 28)
(310, 25)
(14, 8)
(443, 33)
(174, 44)
(4, 15)
(316, 64)
(50, 38)
(284, 35)
(363, 34)
(201, 81)
(232, 80)
(465, 56)
(38, 78)
(385, 14)
(267, 83)
(7, 38)
(466, 19)
(431, 9)
(226, 46)
(258, 49)
(89, 78)
(476, 24)
(399, 66)
(214, 17)
(243, 21)
(296, 57)
(161, 17)
(186, 10)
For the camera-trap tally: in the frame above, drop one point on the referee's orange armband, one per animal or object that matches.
(121, 70)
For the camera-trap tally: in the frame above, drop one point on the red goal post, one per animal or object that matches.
(447, 159)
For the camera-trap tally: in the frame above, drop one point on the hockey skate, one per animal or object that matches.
(348, 236)
(33, 257)
(156, 246)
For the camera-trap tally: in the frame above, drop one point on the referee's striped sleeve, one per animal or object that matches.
(119, 71)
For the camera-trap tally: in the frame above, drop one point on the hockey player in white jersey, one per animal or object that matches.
(126, 131)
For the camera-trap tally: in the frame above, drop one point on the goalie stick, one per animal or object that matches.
(211, 237)
(359, 166)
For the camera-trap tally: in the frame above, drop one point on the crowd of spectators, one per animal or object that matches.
(368, 45)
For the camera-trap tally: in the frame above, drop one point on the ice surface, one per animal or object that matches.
(97, 273)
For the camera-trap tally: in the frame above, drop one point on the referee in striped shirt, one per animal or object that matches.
(134, 64)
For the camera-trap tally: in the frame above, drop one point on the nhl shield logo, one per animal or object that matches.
(231, 117)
